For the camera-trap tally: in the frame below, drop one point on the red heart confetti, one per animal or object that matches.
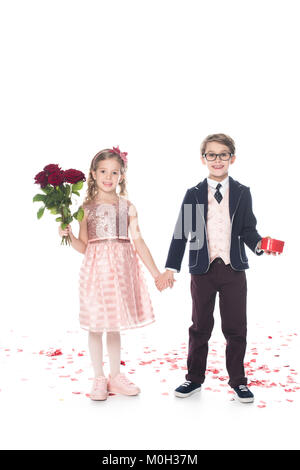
(263, 367)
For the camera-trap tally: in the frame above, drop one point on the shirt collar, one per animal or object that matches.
(213, 183)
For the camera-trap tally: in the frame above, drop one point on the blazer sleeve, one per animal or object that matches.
(249, 233)
(178, 243)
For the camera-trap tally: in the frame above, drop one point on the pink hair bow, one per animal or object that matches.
(122, 154)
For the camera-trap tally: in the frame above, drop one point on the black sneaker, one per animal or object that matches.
(187, 388)
(243, 394)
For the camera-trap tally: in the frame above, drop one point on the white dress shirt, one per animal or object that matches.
(212, 184)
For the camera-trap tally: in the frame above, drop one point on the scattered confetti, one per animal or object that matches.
(56, 352)
(269, 365)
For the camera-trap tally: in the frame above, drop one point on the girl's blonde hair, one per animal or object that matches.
(92, 186)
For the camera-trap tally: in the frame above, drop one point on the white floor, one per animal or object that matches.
(44, 402)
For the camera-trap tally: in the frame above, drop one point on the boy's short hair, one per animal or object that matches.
(222, 138)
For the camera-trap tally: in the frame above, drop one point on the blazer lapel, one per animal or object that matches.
(235, 190)
(201, 195)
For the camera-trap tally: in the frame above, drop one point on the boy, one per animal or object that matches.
(218, 214)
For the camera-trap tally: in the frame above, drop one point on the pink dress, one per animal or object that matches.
(112, 289)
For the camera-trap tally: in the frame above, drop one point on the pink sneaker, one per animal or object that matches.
(99, 390)
(121, 384)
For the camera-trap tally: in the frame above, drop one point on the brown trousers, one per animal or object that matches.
(232, 288)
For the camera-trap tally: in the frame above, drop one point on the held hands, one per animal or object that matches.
(164, 280)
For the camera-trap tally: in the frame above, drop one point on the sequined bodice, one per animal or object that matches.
(107, 220)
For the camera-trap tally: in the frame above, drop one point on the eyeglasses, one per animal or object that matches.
(210, 156)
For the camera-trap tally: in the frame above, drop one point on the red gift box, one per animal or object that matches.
(270, 244)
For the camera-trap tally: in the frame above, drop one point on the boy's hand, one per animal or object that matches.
(268, 252)
(165, 280)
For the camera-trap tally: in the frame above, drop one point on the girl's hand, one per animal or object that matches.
(165, 280)
(160, 286)
(67, 231)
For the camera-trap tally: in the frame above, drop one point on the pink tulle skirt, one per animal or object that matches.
(112, 289)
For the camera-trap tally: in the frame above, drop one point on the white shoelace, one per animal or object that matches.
(186, 384)
(243, 388)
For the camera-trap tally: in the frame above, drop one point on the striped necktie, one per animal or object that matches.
(217, 194)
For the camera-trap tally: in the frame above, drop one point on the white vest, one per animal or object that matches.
(218, 226)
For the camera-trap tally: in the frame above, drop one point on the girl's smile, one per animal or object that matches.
(107, 176)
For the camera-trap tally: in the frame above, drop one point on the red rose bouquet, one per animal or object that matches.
(58, 186)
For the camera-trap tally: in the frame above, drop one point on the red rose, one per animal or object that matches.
(56, 178)
(52, 168)
(73, 176)
(41, 178)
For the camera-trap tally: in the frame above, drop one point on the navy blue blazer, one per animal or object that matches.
(243, 229)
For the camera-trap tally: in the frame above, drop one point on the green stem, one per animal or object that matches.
(66, 239)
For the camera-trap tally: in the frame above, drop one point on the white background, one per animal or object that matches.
(154, 78)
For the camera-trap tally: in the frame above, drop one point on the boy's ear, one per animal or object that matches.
(232, 160)
(203, 160)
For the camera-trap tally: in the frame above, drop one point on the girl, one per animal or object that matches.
(113, 292)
